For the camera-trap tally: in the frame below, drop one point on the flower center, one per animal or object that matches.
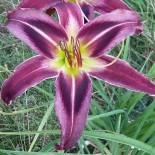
(72, 53)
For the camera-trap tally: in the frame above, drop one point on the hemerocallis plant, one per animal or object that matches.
(88, 6)
(72, 51)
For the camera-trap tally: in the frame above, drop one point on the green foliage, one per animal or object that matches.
(119, 122)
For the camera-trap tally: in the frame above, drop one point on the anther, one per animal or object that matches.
(77, 47)
(72, 41)
(62, 45)
(65, 44)
(77, 43)
(64, 48)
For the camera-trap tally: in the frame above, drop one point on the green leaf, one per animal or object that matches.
(119, 138)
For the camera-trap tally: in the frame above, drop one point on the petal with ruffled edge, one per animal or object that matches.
(26, 75)
(38, 4)
(123, 75)
(72, 102)
(106, 6)
(37, 30)
(105, 32)
(70, 17)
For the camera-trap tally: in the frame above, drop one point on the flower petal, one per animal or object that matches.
(105, 32)
(38, 4)
(88, 10)
(106, 6)
(37, 30)
(73, 95)
(123, 75)
(26, 75)
(72, 21)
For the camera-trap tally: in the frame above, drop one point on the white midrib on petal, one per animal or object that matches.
(38, 31)
(73, 104)
(104, 32)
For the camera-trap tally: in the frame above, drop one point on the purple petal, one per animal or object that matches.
(72, 21)
(105, 32)
(106, 6)
(37, 30)
(123, 75)
(38, 4)
(73, 96)
(88, 10)
(26, 75)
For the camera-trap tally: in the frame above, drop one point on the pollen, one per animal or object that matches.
(72, 53)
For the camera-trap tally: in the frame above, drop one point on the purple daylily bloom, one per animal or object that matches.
(88, 6)
(72, 51)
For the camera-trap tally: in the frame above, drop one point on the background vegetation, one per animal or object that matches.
(120, 122)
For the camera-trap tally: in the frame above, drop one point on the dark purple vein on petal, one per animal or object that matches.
(105, 32)
(26, 75)
(28, 25)
(38, 40)
(72, 105)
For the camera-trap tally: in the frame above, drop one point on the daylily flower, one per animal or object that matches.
(72, 51)
(88, 6)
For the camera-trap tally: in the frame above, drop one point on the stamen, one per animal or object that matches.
(76, 51)
(64, 48)
(78, 56)
(65, 44)
(119, 54)
(74, 56)
(72, 40)
(77, 43)
(79, 53)
(62, 45)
